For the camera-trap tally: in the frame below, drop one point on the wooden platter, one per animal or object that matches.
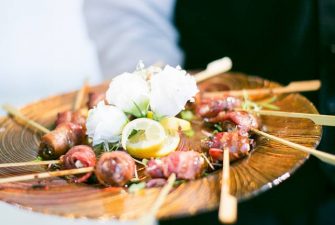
(268, 165)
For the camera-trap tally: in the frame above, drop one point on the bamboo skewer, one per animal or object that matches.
(32, 124)
(295, 86)
(151, 214)
(228, 202)
(17, 114)
(30, 163)
(213, 69)
(325, 120)
(46, 175)
(47, 162)
(323, 156)
(80, 96)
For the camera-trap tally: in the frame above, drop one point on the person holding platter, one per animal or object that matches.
(277, 40)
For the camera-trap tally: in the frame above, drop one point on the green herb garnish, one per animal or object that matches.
(189, 133)
(218, 127)
(38, 159)
(135, 187)
(187, 115)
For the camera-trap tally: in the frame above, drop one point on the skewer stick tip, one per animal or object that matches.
(228, 210)
(228, 202)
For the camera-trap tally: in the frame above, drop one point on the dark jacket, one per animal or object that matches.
(281, 40)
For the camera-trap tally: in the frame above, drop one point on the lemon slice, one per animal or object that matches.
(173, 124)
(170, 144)
(143, 137)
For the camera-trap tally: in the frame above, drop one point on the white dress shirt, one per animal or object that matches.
(126, 31)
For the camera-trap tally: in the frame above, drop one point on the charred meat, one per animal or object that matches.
(60, 140)
(115, 168)
(78, 157)
(187, 165)
(238, 143)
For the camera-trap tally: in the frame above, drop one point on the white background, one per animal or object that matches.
(44, 50)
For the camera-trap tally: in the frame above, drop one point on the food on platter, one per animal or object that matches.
(187, 165)
(94, 98)
(78, 157)
(115, 168)
(190, 126)
(61, 139)
(138, 118)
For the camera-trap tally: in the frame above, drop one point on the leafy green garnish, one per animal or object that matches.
(187, 115)
(38, 159)
(205, 174)
(189, 133)
(105, 147)
(136, 135)
(249, 105)
(218, 127)
(179, 182)
(145, 161)
(140, 113)
(135, 187)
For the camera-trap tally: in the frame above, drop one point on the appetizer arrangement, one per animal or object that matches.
(153, 128)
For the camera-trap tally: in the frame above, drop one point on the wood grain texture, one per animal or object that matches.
(268, 165)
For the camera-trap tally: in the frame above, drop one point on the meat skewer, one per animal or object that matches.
(212, 107)
(240, 118)
(60, 140)
(115, 168)
(70, 130)
(100, 171)
(187, 165)
(249, 123)
(79, 156)
(236, 141)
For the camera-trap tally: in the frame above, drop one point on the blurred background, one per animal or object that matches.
(44, 50)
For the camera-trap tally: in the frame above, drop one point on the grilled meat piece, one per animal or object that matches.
(60, 140)
(78, 157)
(187, 165)
(238, 143)
(115, 168)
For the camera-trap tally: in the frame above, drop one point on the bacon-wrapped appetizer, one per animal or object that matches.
(212, 107)
(60, 140)
(238, 143)
(240, 118)
(187, 165)
(115, 168)
(78, 157)
(72, 117)
(94, 98)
